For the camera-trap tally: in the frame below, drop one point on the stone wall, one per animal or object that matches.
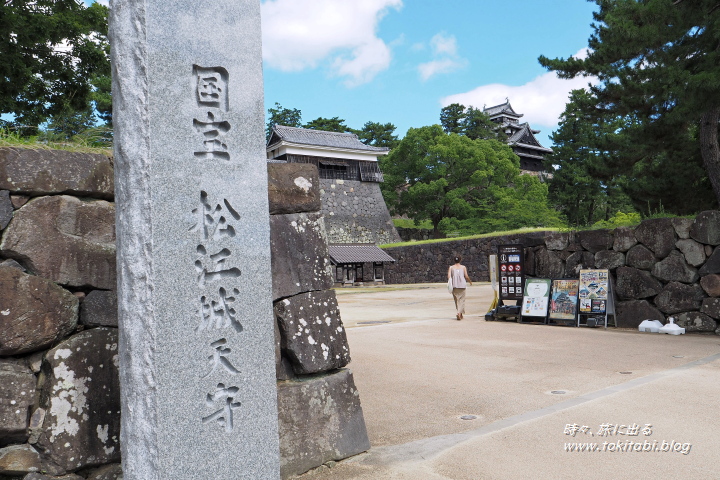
(417, 234)
(59, 387)
(355, 212)
(661, 268)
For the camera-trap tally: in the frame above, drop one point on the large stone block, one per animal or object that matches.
(107, 472)
(99, 309)
(293, 188)
(706, 228)
(658, 234)
(6, 209)
(578, 261)
(80, 394)
(17, 393)
(595, 240)
(40, 476)
(711, 307)
(321, 420)
(312, 334)
(712, 264)
(78, 240)
(711, 285)
(633, 284)
(549, 264)
(694, 252)
(674, 268)
(558, 240)
(19, 460)
(43, 172)
(696, 322)
(640, 257)
(609, 259)
(682, 226)
(299, 252)
(678, 297)
(34, 312)
(624, 239)
(630, 314)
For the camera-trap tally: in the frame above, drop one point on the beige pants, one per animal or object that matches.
(459, 297)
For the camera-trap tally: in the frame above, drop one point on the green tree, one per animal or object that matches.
(658, 65)
(50, 51)
(580, 188)
(450, 178)
(477, 124)
(378, 134)
(452, 118)
(289, 117)
(469, 121)
(333, 124)
(67, 124)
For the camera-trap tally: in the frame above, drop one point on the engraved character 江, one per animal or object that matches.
(212, 267)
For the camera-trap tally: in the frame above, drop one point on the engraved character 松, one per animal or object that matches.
(214, 219)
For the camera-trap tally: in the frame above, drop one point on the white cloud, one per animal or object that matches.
(444, 45)
(444, 48)
(542, 100)
(434, 67)
(301, 34)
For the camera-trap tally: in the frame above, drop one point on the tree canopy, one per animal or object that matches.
(51, 50)
(334, 124)
(469, 121)
(658, 66)
(462, 184)
(378, 134)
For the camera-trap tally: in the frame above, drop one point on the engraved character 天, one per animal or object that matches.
(212, 267)
(214, 220)
(216, 314)
(223, 416)
(219, 358)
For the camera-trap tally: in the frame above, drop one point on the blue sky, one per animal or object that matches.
(401, 61)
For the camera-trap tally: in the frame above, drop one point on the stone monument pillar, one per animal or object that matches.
(197, 365)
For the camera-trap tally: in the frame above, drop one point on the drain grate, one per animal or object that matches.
(558, 392)
(373, 322)
(468, 417)
(625, 373)
(678, 356)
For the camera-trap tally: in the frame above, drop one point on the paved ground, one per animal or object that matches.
(526, 385)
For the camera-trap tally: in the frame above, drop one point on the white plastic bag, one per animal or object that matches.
(450, 285)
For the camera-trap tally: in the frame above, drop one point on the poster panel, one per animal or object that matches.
(594, 289)
(563, 305)
(536, 298)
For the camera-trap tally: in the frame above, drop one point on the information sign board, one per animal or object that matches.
(535, 300)
(511, 271)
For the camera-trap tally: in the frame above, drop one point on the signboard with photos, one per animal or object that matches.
(511, 271)
(594, 290)
(563, 304)
(536, 297)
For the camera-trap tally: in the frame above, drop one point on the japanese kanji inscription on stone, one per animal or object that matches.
(194, 286)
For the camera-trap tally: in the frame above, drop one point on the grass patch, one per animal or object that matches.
(9, 139)
(410, 223)
(469, 237)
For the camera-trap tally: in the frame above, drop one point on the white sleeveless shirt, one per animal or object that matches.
(458, 277)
